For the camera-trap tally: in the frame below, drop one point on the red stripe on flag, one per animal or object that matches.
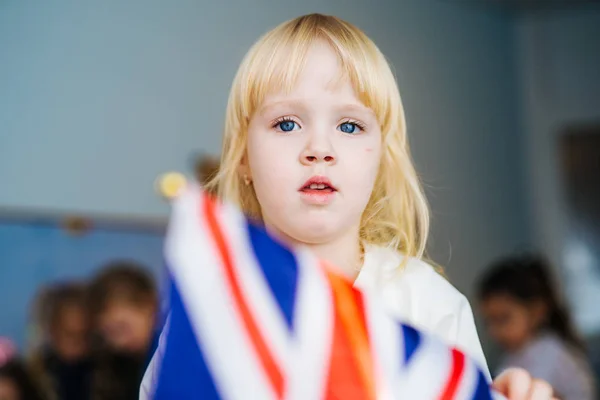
(458, 366)
(351, 371)
(270, 366)
(343, 381)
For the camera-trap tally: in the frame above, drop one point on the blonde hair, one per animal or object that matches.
(397, 213)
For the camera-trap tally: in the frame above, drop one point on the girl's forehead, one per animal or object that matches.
(322, 67)
(321, 78)
(318, 69)
(313, 70)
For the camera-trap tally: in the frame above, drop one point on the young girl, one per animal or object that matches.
(61, 360)
(315, 147)
(123, 306)
(526, 317)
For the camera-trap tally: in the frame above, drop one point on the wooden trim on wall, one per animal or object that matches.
(96, 221)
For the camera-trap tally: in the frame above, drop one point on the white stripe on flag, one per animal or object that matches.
(151, 375)
(313, 325)
(256, 290)
(198, 274)
(426, 373)
(387, 345)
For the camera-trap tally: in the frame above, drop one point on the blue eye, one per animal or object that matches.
(349, 127)
(287, 126)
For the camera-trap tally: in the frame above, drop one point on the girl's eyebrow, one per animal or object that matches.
(356, 108)
(301, 105)
(285, 103)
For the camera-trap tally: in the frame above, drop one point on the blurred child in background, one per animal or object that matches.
(16, 382)
(123, 305)
(525, 315)
(61, 360)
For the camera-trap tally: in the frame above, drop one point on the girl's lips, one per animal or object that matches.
(318, 190)
(318, 182)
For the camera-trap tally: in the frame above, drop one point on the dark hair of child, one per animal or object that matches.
(123, 280)
(53, 301)
(528, 279)
(61, 378)
(118, 375)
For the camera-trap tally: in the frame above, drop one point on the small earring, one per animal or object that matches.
(246, 180)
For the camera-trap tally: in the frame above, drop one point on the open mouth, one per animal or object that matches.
(318, 187)
(318, 184)
(318, 190)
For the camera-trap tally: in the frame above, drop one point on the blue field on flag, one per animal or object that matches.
(241, 324)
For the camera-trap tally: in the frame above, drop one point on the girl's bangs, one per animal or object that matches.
(277, 61)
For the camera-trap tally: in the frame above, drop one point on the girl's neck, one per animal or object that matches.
(344, 252)
(346, 257)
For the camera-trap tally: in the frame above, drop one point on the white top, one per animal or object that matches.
(549, 358)
(421, 297)
(417, 295)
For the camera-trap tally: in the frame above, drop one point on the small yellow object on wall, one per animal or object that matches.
(169, 185)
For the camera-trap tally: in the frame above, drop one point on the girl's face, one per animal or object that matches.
(313, 155)
(70, 334)
(510, 322)
(127, 327)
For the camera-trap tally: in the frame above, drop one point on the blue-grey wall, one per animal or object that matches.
(559, 64)
(98, 98)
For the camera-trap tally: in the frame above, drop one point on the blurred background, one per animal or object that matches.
(97, 99)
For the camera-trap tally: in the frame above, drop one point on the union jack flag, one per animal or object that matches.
(253, 319)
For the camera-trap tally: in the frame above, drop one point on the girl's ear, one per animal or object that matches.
(244, 170)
